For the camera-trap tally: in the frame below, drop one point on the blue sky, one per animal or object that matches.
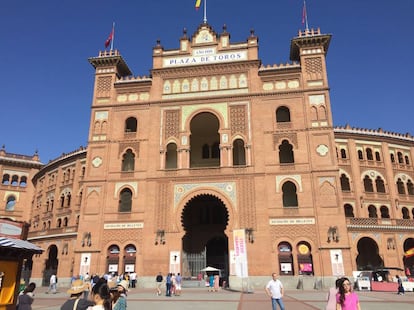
(46, 82)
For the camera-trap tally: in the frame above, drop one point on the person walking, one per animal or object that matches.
(346, 299)
(52, 284)
(178, 283)
(401, 290)
(75, 302)
(26, 297)
(158, 283)
(168, 284)
(331, 298)
(274, 289)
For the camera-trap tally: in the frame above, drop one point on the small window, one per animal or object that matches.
(349, 211)
(290, 198)
(282, 115)
(360, 155)
(345, 186)
(343, 153)
(369, 154)
(125, 201)
(11, 202)
(368, 186)
(131, 125)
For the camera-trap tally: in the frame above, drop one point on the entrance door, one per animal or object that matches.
(204, 220)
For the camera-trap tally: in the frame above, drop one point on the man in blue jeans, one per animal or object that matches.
(274, 289)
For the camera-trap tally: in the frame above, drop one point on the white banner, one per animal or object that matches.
(240, 253)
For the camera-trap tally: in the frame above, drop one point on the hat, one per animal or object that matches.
(76, 287)
(112, 286)
(124, 284)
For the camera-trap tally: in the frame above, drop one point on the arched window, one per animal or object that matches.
(360, 155)
(405, 213)
(372, 211)
(131, 124)
(286, 153)
(171, 156)
(128, 161)
(285, 259)
(11, 202)
(305, 258)
(215, 150)
(125, 200)
(400, 158)
(23, 181)
(377, 156)
(15, 180)
(379, 183)
(407, 160)
(282, 115)
(62, 201)
(410, 187)
(392, 157)
(59, 223)
(369, 154)
(368, 184)
(345, 186)
(6, 179)
(349, 210)
(239, 155)
(65, 222)
(205, 152)
(290, 198)
(68, 199)
(400, 187)
(385, 214)
(343, 153)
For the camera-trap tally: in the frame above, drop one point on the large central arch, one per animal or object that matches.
(204, 219)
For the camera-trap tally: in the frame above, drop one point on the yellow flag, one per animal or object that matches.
(197, 4)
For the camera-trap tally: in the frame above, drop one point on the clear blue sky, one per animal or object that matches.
(46, 82)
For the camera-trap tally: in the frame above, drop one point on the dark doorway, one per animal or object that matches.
(51, 265)
(368, 255)
(204, 220)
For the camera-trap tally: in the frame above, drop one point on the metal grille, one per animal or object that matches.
(193, 263)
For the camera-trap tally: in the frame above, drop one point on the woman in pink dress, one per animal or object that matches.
(216, 283)
(346, 299)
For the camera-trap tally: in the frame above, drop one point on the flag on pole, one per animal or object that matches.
(409, 253)
(197, 4)
(303, 13)
(110, 38)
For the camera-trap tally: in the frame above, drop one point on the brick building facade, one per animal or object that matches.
(213, 143)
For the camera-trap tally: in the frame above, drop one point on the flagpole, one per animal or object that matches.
(306, 15)
(113, 36)
(205, 11)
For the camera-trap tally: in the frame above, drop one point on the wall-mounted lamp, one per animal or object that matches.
(333, 234)
(87, 239)
(160, 237)
(249, 235)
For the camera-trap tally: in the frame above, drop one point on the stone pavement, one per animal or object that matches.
(200, 298)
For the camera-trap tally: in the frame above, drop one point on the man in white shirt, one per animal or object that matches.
(52, 284)
(274, 289)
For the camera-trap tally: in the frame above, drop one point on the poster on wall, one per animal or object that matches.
(240, 253)
(175, 262)
(129, 268)
(85, 263)
(337, 263)
(113, 268)
(285, 267)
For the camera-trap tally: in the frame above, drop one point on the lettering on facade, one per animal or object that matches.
(292, 221)
(123, 225)
(204, 57)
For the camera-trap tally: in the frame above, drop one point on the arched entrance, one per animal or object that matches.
(51, 265)
(204, 220)
(368, 257)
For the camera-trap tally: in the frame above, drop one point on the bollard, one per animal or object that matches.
(300, 284)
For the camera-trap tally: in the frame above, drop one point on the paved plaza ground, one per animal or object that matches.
(200, 298)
